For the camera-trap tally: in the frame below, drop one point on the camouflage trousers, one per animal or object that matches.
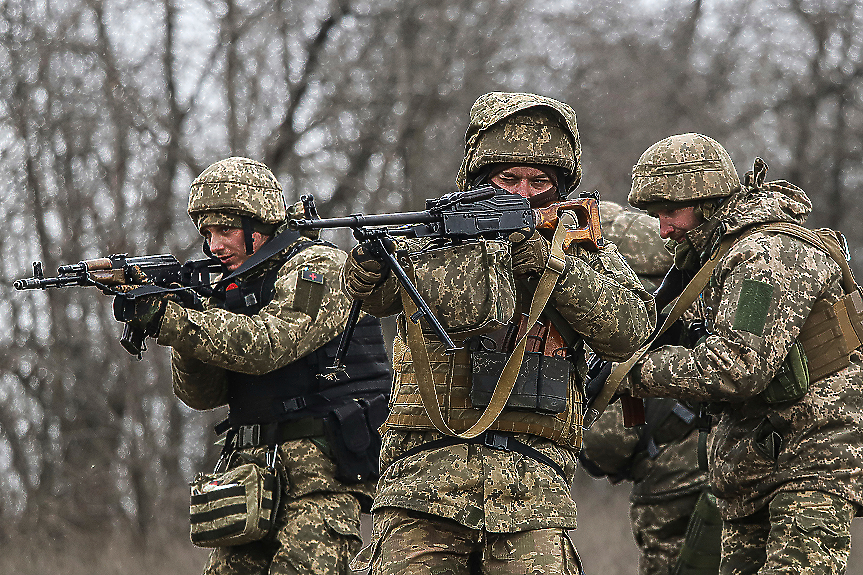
(317, 534)
(659, 530)
(410, 543)
(799, 532)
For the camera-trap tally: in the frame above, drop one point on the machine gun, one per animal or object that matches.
(482, 212)
(111, 273)
(486, 212)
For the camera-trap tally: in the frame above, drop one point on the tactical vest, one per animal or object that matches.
(295, 390)
(452, 379)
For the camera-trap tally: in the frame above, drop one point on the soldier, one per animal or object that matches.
(781, 372)
(258, 346)
(499, 502)
(660, 458)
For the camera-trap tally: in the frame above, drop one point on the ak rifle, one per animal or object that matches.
(112, 272)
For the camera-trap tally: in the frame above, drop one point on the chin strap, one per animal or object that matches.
(247, 234)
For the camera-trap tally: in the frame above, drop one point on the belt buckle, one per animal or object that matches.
(248, 436)
(497, 441)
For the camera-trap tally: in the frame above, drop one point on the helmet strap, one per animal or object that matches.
(247, 234)
(561, 183)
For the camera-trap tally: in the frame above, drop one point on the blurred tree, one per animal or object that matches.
(109, 108)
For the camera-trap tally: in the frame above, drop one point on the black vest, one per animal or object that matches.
(295, 390)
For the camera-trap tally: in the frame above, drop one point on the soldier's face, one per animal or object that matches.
(674, 223)
(526, 181)
(229, 244)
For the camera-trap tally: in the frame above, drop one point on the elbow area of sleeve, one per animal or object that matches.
(612, 317)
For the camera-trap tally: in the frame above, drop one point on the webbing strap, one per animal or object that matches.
(681, 304)
(492, 440)
(503, 389)
(825, 242)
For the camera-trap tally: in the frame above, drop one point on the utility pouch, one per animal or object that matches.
(831, 332)
(791, 381)
(541, 386)
(234, 507)
(768, 440)
(352, 434)
(469, 286)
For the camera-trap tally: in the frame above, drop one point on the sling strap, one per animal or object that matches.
(681, 304)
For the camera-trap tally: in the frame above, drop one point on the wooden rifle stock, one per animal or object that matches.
(587, 231)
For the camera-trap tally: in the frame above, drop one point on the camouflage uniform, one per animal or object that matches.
(786, 473)
(454, 508)
(664, 467)
(317, 527)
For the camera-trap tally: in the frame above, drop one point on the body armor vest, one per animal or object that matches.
(295, 390)
(452, 378)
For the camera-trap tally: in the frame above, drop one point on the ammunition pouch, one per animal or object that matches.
(352, 434)
(541, 386)
(479, 298)
(791, 381)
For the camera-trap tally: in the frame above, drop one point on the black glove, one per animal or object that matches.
(597, 374)
(366, 268)
(680, 334)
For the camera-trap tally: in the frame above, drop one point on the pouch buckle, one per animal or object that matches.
(248, 436)
(497, 441)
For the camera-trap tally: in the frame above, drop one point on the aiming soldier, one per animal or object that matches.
(259, 346)
(454, 497)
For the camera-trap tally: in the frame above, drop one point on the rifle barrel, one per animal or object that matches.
(359, 221)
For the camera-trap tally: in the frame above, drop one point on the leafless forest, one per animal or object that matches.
(109, 108)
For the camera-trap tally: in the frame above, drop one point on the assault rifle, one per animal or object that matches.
(112, 272)
(486, 212)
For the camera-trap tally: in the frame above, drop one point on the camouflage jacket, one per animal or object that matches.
(621, 454)
(208, 343)
(755, 304)
(481, 488)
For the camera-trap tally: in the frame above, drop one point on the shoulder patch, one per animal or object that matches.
(310, 292)
(752, 307)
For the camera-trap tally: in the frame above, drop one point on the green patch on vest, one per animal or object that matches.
(752, 306)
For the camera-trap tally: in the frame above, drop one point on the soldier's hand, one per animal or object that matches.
(144, 312)
(365, 269)
(529, 256)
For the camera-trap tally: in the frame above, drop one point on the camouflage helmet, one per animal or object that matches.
(683, 168)
(238, 186)
(519, 128)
